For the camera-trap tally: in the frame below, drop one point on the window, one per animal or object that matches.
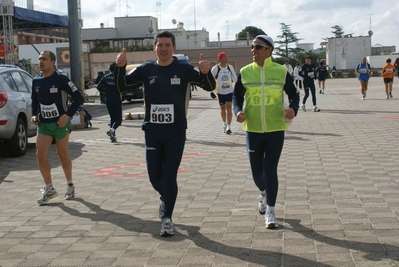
(28, 81)
(9, 81)
(21, 86)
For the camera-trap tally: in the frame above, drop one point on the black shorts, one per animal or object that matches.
(388, 80)
(225, 98)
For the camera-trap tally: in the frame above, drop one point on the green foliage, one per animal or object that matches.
(132, 48)
(316, 57)
(338, 31)
(253, 32)
(282, 45)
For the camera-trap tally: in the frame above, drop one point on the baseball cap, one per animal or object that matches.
(309, 57)
(221, 55)
(266, 39)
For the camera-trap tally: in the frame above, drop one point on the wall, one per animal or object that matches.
(346, 52)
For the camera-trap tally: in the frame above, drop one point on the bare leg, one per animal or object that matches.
(62, 151)
(229, 112)
(43, 143)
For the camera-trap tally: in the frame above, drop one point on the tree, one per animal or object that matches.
(338, 31)
(249, 31)
(285, 39)
(316, 57)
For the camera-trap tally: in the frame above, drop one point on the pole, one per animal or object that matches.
(75, 47)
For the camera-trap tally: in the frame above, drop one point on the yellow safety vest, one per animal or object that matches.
(264, 97)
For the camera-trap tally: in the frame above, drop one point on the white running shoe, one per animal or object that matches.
(70, 193)
(46, 195)
(316, 109)
(167, 227)
(271, 220)
(111, 134)
(303, 107)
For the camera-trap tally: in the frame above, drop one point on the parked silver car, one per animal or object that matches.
(15, 110)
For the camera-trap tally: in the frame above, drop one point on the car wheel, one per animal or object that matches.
(18, 143)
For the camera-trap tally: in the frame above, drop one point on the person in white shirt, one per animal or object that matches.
(289, 67)
(225, 77)
(298, 79)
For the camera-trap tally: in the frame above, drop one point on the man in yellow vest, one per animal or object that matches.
(262, 84)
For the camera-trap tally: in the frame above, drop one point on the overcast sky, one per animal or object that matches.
(311, 19)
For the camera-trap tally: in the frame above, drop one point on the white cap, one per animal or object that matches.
(266, 39)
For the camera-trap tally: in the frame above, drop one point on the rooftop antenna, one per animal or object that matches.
(370, 21)
(227, 34)
(127, 9)
(158, 4)
(195, 27)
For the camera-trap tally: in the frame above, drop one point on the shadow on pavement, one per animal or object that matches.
(134, 224)
(28, 161)
(374, 251)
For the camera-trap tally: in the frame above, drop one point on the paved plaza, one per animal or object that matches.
(338, 200)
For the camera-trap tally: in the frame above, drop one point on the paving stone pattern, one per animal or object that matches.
(337, 204)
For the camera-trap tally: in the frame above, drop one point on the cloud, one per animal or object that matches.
(312, 19)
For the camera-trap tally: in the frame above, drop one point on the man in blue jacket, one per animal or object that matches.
(114, 102)
(53, 116)
(166, 94)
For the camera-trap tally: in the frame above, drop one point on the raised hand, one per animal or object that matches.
(121, 59)
(203, 65)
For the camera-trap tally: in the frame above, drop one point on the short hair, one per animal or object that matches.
(388, 60)
(112, 67)
(52, 55)
(165, 34)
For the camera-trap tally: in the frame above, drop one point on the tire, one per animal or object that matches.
(18, 143)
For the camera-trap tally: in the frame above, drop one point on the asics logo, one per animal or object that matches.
(160, 109)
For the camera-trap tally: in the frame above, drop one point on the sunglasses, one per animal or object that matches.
(259, 46)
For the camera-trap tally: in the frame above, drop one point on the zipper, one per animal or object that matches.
(263, 100)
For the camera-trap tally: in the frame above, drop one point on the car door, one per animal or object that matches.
(25, 102)
(32, 128)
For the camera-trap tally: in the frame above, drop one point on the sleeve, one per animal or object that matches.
(123, 80)
(101, 85)
(206, 81)
(75, 93)
(301, 72)
(292, 91)
(238, 96)
(35, 102)
(214, 70)
(233, 72)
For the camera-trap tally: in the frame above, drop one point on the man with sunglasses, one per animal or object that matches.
(262, 84)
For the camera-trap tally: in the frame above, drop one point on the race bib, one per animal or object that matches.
(389, 70)
(363, 70)
(49, 111)
(162, 114)
(311, 74)
(225, 86)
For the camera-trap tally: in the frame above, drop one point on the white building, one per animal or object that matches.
(140, 30)
(347, 52)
